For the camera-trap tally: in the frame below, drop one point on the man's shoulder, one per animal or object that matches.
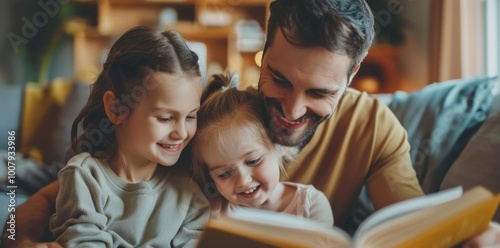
(360, 106)
(361, 112)
(355, 97)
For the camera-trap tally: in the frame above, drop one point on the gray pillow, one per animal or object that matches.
(440, 119)
(479, 162)
(11, 97)
(33, 174)
(60, 139)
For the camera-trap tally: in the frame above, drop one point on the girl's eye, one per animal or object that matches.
(193, 117)
(254, 162)
(164, 119)
(225, 174)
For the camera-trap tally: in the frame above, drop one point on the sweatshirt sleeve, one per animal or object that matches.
(320, 210)
(198, 213)
(79, 218)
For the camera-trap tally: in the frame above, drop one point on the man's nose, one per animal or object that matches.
(294, 107)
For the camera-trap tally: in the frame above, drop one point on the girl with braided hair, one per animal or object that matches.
(120, 188)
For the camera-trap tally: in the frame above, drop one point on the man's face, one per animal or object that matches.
(301, 87)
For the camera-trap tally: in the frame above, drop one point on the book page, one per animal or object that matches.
(443, 225)
(405, 207)
(280, 230)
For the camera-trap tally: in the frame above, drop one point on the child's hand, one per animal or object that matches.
(488, 238)
(49, 245)
(37, 245)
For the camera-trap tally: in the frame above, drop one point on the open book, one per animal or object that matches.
(441, 219)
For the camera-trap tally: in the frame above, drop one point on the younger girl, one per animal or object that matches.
(233, 150)
(120, 189)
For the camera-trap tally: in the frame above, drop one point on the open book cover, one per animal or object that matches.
(442, 219)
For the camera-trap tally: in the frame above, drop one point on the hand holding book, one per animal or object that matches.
(442, 219)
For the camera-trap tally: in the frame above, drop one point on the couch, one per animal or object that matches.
(454, 131)
(453, 128)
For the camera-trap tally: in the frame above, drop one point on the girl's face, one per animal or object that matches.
(244, 169)
(161, 120)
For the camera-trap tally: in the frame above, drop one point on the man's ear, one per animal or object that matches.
(353, 73)
(112, 107)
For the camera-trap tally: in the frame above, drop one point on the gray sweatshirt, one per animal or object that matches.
(95, 208)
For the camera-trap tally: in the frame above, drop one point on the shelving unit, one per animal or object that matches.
(379, 72)
(114, 17)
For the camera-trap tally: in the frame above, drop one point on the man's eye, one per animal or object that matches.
(317, 95)
(281, 83)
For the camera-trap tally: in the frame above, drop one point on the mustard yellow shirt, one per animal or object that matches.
(362, 143)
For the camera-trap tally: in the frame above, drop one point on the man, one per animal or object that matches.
(313, 51)
(347, 139)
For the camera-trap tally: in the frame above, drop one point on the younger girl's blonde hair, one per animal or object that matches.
(224, 106)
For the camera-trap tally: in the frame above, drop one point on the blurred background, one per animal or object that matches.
(417, 42)
(52, 50)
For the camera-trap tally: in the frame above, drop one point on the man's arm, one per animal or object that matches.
(32, 219)
(392, 177)
(489, 238)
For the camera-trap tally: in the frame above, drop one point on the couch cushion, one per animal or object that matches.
(31, 174)
(440, 120)
(41, 106)
(11, 98)
(59, 140)
(479, 162)
(49, 113)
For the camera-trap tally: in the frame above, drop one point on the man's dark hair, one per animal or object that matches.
(337, 25)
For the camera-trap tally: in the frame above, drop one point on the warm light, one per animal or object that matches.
(258, 58)
(368, 84)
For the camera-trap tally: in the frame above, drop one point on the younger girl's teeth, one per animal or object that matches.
(250, 190)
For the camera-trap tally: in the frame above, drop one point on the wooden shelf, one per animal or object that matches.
(139, 2)
(379, 72)
(113, 17)
(142, 2)
(195, 31)
(240, 3)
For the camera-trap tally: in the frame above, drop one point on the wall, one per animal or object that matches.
(413, 60)
(415, 54)
(399, 57)
(10, 64)
(23, 48)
